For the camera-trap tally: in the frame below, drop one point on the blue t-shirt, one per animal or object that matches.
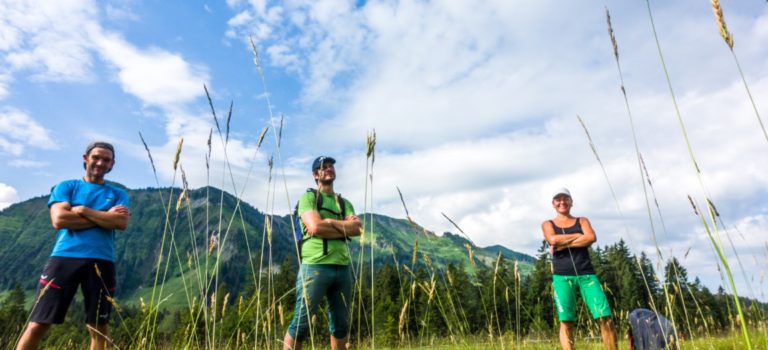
(94, 242)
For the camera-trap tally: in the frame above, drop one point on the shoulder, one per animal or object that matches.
(307, 196)
(65, 186)
(68, 183)
(117, 190)
(347, 203)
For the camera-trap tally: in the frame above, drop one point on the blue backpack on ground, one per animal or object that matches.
(649, 330)
(299, 232)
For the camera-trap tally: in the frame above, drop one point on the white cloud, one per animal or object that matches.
(18, 130)
(25, 163)
(157, 77)
(475, 107)
(48, 38)
(8, 196)
(5, 80)
(121, 12)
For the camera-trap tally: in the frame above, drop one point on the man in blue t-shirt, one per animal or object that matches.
(86, 212)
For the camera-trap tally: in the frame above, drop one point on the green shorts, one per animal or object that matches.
(591, 292)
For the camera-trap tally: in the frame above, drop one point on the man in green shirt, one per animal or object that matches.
(327, 221)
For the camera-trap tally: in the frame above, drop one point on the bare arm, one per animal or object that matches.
(571, 240)
(587, 238)
(116, 218)
(330, 228)
(62, 216)
(349, 227)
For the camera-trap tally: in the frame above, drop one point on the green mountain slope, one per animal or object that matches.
(183, 237)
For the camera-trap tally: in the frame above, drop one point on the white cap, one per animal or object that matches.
(560, 191)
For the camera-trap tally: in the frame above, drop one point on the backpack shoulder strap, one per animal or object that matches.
(342, 206)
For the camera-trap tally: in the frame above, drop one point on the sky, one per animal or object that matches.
(474, 106)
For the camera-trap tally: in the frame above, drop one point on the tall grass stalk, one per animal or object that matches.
(640, 165)
(621, 213)
(715, 242)
(728, 38)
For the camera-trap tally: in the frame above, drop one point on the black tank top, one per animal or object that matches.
(571, 261)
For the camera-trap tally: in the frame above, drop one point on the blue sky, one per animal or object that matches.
(474, 105)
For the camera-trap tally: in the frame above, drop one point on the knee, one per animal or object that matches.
(299, 331)
(38, 329)
(606, 323)
(98, 331)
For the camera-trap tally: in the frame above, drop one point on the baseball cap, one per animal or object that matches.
(560, 191)
(100, 144)
(320, 160)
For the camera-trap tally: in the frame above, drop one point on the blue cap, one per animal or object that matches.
(320, 160)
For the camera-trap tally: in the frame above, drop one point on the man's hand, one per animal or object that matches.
(120, 209)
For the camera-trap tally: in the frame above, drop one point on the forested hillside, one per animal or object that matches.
(26, 239)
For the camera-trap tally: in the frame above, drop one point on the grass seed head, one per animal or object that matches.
(471, 255)
(178, 153)
(371, 149)
(610, 33)
(724, 33)
(180, 201)
(151, 161)
(44, 290)
(114, 303)
(261, 137)
(403, 314)
(214, 241)
(224, 305)
(98, 271)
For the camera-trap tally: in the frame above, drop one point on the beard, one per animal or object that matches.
(325, 182)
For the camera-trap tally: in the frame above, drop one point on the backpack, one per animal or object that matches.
(650, 331)
(299, 232)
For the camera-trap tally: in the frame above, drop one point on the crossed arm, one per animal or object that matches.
(331, 228)
(64, 215)
(572, 240)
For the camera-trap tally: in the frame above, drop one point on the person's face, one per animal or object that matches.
(98, 162)
(562, 203)
(326, 173)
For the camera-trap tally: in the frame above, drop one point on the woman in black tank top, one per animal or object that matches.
(569, 239)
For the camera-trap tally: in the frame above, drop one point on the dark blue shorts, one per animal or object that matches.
(59, 282)
(318, 282)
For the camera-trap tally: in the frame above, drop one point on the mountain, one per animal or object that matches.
(183, 237)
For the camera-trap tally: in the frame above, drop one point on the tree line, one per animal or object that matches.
(415, 303)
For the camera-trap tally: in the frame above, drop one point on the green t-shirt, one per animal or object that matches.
(312, 247)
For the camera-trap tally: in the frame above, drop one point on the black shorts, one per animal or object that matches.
(60, 279)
